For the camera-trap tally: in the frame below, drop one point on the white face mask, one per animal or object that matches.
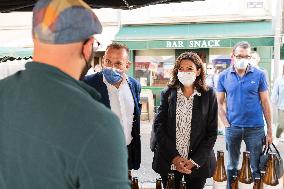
(253, 62)
(186, 78)
(241, 64)
(210, 71)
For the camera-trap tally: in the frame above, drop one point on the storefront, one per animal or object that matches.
(154, 48)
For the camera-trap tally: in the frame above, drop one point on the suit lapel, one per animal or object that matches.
(196, 117)
(132, 89)
(102, 88)
(172, 101)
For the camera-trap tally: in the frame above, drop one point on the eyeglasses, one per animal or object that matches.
(242, 57)
(108, 63)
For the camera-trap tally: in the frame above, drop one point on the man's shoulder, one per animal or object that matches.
(134, 83)
(4, 84)
(260, 72)
(95, 80)
(133, 80)
(94, 77)
(224, 73)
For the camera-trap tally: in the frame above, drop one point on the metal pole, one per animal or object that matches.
(277, 45)
(277, 38)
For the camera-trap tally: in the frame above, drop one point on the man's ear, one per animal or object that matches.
(232, 58)
(128, 65)
(103, 61)
(88, 48)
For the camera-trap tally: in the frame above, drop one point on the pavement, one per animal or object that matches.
(146, 175)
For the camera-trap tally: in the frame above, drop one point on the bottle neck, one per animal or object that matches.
(222, 160)
(170, 184)
(246, 162)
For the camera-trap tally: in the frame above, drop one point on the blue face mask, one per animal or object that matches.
(112, 76)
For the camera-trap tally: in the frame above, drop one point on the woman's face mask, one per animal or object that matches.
(186, 78)
(112, 75)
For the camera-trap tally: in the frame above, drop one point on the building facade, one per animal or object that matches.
(157, 35)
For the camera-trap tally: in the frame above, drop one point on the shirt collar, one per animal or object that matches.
(112, 86)
(250, 68)
(195, 92)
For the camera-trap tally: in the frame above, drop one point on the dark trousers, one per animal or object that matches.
(191, 183)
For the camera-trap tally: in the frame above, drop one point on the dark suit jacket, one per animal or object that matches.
(203, 133)
(134, 148)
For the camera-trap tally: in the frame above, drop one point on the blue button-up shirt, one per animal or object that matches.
(243, 100)
(277, 96)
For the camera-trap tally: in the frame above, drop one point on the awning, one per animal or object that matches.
(15, 52)
(195, 35)
(27, 5)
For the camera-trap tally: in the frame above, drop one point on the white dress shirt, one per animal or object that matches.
(277, 96)
(122, 104)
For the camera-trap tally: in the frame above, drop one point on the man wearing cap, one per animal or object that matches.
(54, 132)
(121, 93)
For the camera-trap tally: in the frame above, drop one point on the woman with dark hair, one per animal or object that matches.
(186, 125)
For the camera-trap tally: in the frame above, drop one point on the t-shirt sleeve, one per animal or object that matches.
(263, 85)
(103, 162)
(220, 85)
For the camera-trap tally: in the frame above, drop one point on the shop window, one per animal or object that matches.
(154, 70)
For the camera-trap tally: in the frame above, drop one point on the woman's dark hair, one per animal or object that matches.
(199, 82)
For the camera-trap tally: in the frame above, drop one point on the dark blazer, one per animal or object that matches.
(134, 148)
(203, 133)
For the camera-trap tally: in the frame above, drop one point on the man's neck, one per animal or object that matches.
(64, 57)
(69, 68)
(117, 85)
(241, 73)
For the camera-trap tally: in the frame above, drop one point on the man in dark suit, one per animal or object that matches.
(121, 94)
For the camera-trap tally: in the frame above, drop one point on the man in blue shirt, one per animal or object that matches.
(246, 92)
(277, 98)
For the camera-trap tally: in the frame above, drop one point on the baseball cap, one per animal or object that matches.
(64, 21)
